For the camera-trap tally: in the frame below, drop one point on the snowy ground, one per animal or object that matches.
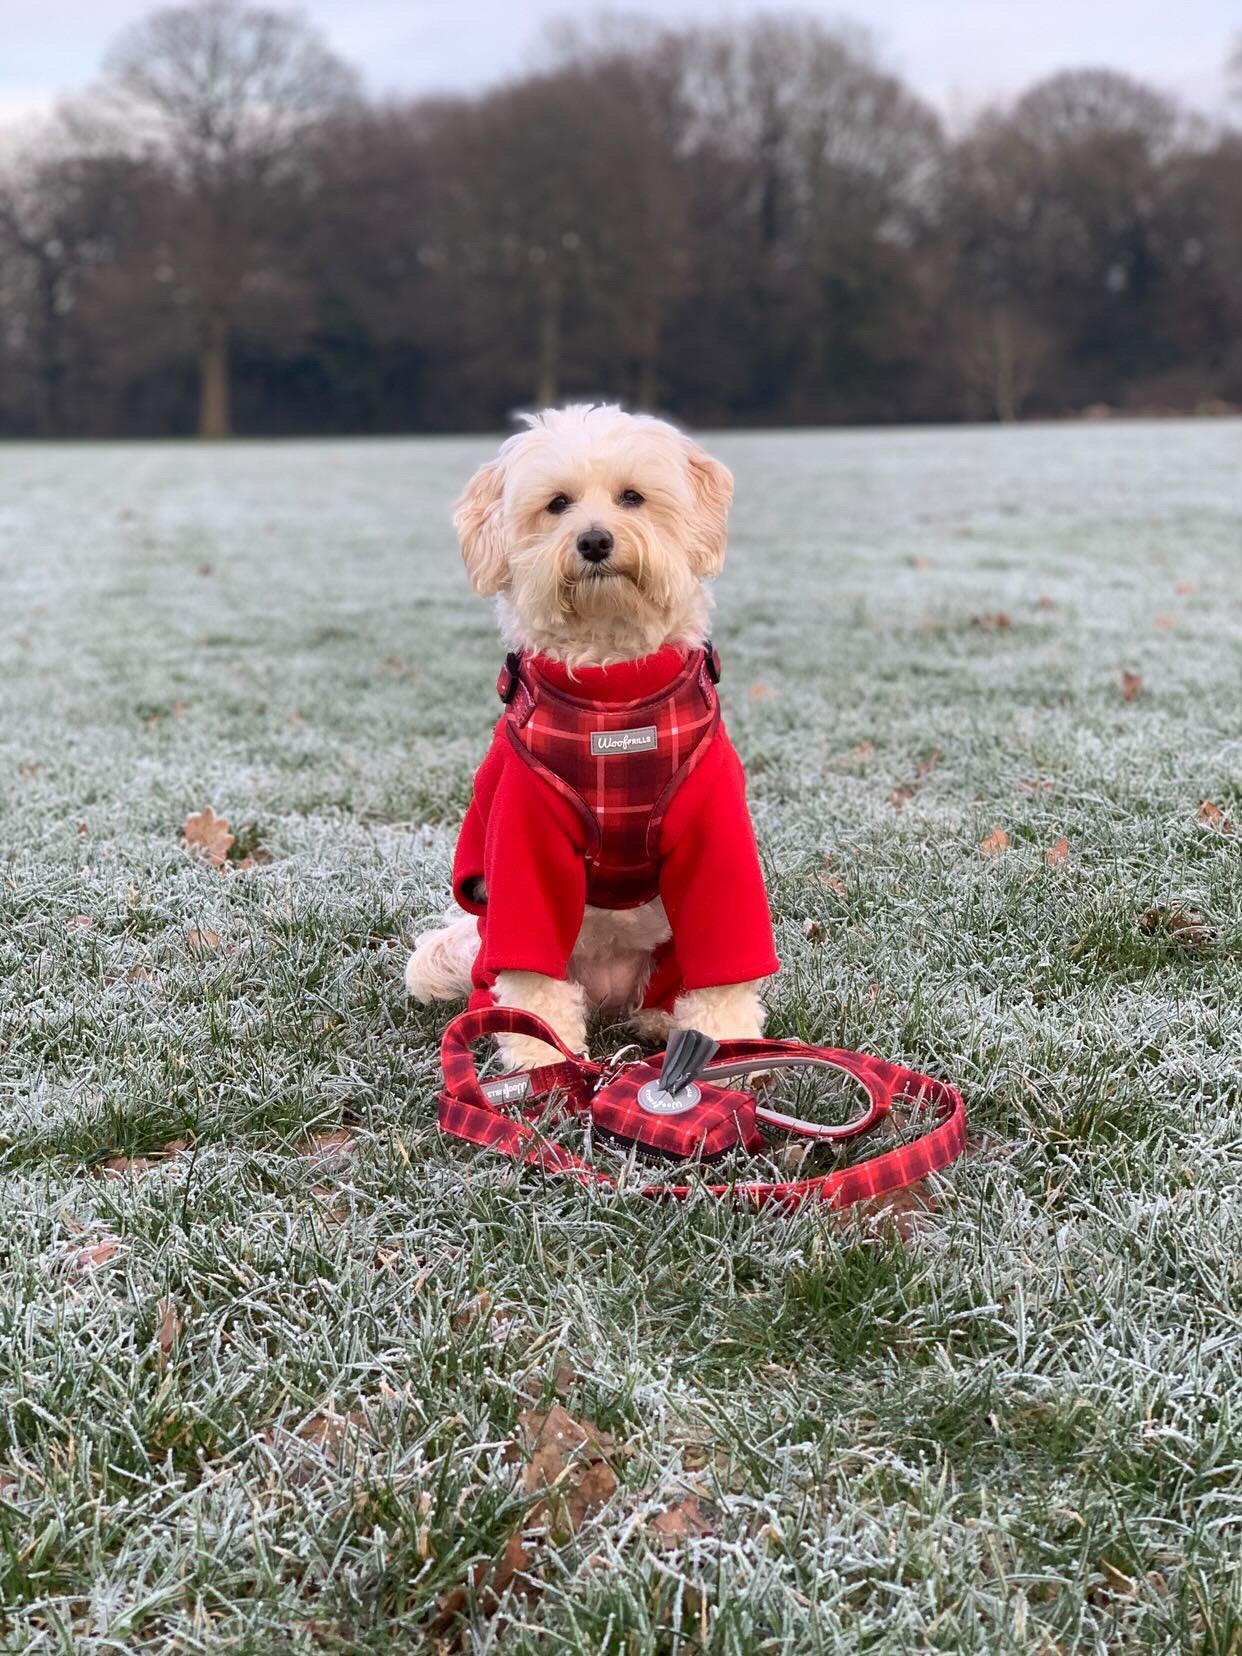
(259, 1399)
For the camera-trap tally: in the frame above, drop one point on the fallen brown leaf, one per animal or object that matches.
(1131, 686)
(168, 1332)
(79, 923)
(1185, 589)
(1212, 815)
(1057, 853)
(1116, 1583)
(927, 765)
(904, 1209)
(97, 1254)
(120, 1167)
(1166, 623)
(473, 1310)
(682, 1521)
(566, 1466)
(760, 692)
(998, 621)
(814, 931)
(327, 1429)
(209, 835)
(901, 795)
(330, 1152)
(1182, 923)
(567, 1462)
(201, 943)
(991, 845)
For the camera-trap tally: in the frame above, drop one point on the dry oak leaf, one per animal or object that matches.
(330, 1152)
(473, 1310)
(1212, 815)
(119, 1167)
(201, 942)
(208, 834)
(327, 1429)
(683, 1521)
(96, 1254)
(1185, 589)
(568, 1463)
(1057, 853)
(991, 845)
(168, 1332)
(1131, 685)
(1182, 923)
(904, 1209)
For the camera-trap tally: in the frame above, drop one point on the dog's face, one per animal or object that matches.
(598, 529)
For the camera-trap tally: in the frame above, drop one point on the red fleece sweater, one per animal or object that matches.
(530, 847)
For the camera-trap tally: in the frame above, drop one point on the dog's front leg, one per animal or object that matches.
(730, 1012)
(557, 1002)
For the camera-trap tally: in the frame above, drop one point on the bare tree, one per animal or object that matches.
(223, 95)
(59, 216)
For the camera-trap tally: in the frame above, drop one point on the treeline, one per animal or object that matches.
(754, 224)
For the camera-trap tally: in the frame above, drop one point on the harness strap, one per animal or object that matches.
(467, 1111)
(522, 692)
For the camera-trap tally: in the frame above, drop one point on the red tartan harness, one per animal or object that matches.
(617, 763)
(697, 1119)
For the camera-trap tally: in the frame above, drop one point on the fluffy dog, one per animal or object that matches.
(607, 858)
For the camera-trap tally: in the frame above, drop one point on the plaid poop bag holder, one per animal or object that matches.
(675, 1107)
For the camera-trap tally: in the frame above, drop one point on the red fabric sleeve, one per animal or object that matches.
(532, 864)
(711, 881)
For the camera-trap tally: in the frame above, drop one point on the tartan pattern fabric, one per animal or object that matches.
(465, 1112)
(621, 796)
(718, 1123)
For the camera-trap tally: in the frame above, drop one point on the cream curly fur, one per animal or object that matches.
(651, 593)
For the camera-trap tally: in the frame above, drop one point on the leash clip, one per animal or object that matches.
(612, 1067)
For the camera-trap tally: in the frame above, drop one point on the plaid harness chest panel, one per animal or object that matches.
(617, 763)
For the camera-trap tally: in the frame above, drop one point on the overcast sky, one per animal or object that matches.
(959, 53)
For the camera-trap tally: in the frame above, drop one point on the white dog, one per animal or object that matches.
(607, 859)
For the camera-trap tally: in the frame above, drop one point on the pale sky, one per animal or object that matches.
(958, 53)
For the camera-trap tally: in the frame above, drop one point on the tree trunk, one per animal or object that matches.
(548, 384)
(1005, 397)
(214, 412)
(53, 366)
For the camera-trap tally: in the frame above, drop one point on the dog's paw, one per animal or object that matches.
(731, 1012)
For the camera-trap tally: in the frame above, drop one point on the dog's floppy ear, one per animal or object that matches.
(713, 492)
(480, 530)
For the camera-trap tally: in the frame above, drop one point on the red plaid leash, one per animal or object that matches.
(470, 1109)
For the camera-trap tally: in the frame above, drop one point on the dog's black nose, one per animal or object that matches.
(595, 544)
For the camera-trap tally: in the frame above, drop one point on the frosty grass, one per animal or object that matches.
(276, 1415)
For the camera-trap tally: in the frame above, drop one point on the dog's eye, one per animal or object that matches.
(558, 504)
(631, 497)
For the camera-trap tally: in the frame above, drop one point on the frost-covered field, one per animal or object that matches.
(255, 1399)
